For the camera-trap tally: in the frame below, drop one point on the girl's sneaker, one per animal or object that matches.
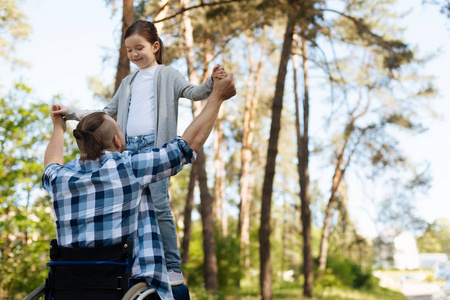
(175, 278)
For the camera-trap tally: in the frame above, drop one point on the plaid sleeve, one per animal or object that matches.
(50, 172)
(153, 165)
(189, 154)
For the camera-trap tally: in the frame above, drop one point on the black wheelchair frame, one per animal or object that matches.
(91, 274)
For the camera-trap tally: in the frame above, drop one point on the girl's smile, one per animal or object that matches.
(140, 51)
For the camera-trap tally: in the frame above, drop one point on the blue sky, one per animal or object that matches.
(429, 30)
(71, 38)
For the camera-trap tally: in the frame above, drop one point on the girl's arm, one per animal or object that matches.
(72, 113)
(184, 88)
(194, 92)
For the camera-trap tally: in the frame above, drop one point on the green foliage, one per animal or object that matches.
(345, 240)
(294, 290)
(436, 238)
(25, 236)
(371, 51)
(343, 272)
(194, 269)
(398, 55)
(227, 250)
(178, 189)
(26, 220)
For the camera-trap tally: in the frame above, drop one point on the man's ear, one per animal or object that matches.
(116, 142)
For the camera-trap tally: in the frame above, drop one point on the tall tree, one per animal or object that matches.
(303, 170)
(308, 16)
(206, 210)
(251, 103)
(219, 210)
(265, 230)
(123, 65)
(188, 208)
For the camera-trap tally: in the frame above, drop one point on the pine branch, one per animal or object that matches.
(363, 28)
(202, 4)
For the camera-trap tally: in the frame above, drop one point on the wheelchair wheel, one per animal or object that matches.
(138, 292)
(38, 293)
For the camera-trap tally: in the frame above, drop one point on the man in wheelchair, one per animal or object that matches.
(96, 198)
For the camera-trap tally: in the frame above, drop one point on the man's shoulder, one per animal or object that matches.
(67, 166)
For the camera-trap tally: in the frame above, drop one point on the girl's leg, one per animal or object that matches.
(159, 192)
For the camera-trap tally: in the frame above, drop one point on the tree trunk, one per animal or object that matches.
(188, 217)
(219, 211)
(337, 178)
(209, 246)
(209, 243)
(246, 158)
(161, 13)
(264, 231)
(123, 66)
(303, 170)
(246, 177)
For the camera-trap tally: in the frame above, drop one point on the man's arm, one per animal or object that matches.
(198, 131)
(55, 148)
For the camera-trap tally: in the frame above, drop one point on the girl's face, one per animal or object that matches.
(140, 51)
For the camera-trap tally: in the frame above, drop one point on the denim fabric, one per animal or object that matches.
(159, 194)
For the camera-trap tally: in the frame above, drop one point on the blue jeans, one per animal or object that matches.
(159, 194)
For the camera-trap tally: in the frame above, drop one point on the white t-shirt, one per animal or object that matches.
(141, 113)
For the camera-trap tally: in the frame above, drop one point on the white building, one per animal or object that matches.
(394, 249)
(406, 254)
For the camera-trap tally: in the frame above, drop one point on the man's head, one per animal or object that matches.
(98, 132)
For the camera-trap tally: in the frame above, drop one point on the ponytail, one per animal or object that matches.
(159, 55)
(91, 145)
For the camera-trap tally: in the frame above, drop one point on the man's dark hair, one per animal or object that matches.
(90, 143)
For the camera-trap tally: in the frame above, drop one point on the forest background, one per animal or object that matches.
(337, 132)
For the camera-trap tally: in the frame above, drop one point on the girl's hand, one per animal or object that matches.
(59, 109)
(218, 72)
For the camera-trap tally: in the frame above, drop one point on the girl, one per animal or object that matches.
(146, 107)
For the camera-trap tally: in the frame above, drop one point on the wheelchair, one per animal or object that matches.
(92, 274)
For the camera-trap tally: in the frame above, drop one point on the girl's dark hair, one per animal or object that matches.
(148, 31)
(90, 144)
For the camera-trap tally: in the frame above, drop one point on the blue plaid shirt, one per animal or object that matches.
(96, 203)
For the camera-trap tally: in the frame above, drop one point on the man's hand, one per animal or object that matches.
(59, 109)
(197, 133)
(54, 151)
(223, 89)
(57, 119)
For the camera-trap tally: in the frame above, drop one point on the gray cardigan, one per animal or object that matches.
(169, 86)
